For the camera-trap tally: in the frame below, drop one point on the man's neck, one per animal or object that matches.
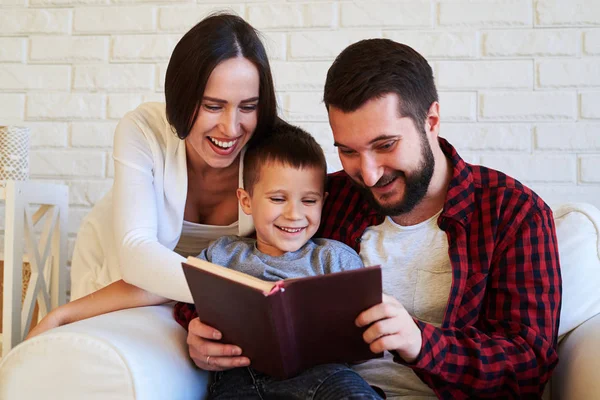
(435, 198)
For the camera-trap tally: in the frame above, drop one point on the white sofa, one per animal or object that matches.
(142, 353)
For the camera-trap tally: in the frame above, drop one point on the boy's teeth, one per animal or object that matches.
(290, 229)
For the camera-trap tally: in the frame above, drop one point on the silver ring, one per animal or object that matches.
(208, 360)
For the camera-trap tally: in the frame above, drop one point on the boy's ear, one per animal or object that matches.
(244, 199)
(325, 196)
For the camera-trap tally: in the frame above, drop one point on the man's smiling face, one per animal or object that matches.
(385, 154)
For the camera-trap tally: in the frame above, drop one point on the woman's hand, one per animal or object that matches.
(50, 321)
(208, 353)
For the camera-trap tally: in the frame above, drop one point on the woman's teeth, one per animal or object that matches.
(224, 145)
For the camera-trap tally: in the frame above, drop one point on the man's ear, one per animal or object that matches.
(432, 123)
(244, 199)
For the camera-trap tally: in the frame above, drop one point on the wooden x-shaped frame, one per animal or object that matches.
(47, 256)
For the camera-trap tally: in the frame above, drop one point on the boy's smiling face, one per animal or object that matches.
(285, 205)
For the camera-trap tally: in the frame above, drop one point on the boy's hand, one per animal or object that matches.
(393, 329)
(50, 321)
(207, 353)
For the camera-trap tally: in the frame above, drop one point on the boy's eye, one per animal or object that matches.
(277, 199)
(309, 201)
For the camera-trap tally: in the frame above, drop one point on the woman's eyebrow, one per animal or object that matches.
(250, 100)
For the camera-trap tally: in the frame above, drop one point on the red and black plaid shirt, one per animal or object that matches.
(499, 334)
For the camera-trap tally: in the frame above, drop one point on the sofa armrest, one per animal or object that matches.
(131, 354)
(577, 376)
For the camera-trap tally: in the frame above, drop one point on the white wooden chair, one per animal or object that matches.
(46, 253)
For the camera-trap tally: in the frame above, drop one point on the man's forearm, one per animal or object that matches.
(469, 362)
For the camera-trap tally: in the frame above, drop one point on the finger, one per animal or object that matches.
(200, 347)
(389, 326)
(389, 342)
(199, 329)
(380, 311)
(222, 363)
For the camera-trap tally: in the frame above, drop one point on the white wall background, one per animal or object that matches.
(519, 80)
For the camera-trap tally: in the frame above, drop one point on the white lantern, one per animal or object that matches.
(14, 153)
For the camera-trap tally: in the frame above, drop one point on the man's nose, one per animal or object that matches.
(370, 170)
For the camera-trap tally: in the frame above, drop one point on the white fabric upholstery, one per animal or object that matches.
(130, 354)
(142, 353)
(577, 229)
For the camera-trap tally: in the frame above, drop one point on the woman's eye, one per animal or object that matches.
(249, 108)
(210, 107)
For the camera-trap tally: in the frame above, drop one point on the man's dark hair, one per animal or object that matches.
(372, 68)
(213, 40)
(288, 145)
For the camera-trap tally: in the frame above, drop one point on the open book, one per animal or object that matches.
(288, 326)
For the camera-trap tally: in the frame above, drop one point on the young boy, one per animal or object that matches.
(284, 182)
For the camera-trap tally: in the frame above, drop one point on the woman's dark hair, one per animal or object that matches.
(213, 40)
(287, 145)
(373, 68)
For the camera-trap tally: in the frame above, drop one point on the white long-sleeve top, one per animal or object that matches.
(132, 231)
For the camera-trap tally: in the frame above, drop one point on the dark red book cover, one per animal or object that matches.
(304, 322)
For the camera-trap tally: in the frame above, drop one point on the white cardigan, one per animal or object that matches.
(131, 232)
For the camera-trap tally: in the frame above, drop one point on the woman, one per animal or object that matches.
(177, 167)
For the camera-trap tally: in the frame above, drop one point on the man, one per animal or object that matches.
(469, 255)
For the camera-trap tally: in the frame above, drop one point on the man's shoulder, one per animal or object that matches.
(340, 188)
(493, 187)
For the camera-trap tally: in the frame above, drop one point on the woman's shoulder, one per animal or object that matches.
(148, 122)
(148, 114)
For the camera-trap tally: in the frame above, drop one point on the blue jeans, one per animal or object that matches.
(323, 382)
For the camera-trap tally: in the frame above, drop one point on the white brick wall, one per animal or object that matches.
(519, 80)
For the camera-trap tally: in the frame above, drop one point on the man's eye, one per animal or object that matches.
(346, 152)
(387, 145)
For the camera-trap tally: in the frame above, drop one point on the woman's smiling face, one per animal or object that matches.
(228, 112)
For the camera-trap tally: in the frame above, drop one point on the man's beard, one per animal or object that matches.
(415, 185)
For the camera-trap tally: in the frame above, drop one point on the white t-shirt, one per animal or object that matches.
(132, 231)
(416, 270)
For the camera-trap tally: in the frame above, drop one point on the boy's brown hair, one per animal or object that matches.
(288, 145)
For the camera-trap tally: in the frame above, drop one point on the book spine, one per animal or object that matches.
(283, 328)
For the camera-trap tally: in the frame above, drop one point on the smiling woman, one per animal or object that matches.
(177, 165)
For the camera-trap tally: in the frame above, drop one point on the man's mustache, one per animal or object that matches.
(384, 180)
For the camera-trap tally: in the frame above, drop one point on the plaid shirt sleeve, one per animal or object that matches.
(510, 350)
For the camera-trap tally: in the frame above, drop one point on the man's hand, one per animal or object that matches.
(207, 353)
(393, 329)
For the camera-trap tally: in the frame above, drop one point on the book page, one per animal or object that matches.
(233, 275)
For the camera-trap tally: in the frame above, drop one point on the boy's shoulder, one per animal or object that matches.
(231, 241)
(333, 246)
